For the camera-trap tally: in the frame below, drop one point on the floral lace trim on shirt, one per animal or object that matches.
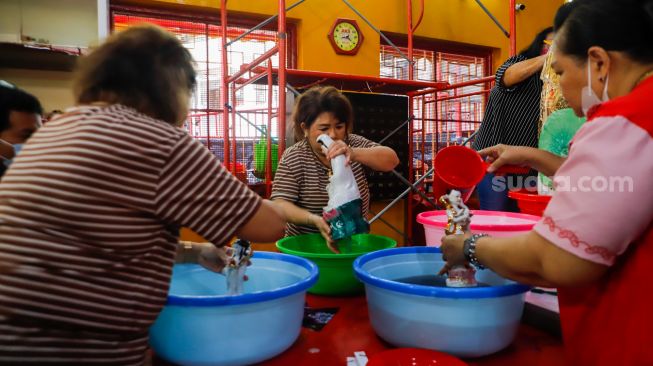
(576, 242)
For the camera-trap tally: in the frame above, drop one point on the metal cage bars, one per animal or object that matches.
(431, 106)
(282, 72)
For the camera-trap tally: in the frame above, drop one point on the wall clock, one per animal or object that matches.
(345, 36)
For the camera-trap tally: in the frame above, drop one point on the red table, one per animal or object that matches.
(350, 330)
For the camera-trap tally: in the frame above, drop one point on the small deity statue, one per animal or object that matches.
(235, 270)
(458, 221)
(458, 215)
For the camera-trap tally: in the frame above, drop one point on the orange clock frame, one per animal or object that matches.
(339, 50)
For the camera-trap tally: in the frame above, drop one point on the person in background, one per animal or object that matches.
(555, 132)
(20, 117)
(303, 173)
(512, 115)
(90, 211)
(551, 98)
(595, 240)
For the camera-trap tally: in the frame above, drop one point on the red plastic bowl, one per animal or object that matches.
(459, 167)
(530, 203)
(413, 357)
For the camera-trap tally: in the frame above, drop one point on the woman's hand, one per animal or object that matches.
(338, 147)
(543, 161)
(325, 230)
(209, 256)
(500, 155)
(452, 251)
(215, 259)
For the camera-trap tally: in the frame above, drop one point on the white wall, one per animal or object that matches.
(9, 21)
(52, 88)
(79, 23)
(60, 22)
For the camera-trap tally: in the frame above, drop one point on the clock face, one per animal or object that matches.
(345, 36)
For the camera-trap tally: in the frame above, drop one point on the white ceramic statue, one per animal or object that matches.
(458, 221)
(458, 214)
(235, 270)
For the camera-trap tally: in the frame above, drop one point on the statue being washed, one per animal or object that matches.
(458, 221)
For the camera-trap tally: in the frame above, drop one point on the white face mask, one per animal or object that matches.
(17, 148)
(588, 98)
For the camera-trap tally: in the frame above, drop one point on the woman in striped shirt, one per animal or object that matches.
(512, 115)
(90, 210)
(303, 173)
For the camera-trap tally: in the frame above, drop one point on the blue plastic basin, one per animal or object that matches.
(466, 322)
(202, 325)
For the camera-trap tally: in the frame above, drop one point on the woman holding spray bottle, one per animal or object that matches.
(304, 170)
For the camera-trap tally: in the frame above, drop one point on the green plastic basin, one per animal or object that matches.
(336, 270)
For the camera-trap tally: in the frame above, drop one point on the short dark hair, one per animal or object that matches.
(562, 14)
(615, 25)
(14, 99)
(535, 48)
(317, 100)
(143, 67)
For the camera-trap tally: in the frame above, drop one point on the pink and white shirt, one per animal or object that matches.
(604, 191)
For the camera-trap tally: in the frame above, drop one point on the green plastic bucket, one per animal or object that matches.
(336, 270)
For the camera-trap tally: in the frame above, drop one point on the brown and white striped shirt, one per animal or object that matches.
(89, 216)
(302, 178)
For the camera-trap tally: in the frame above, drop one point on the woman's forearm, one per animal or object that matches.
(379, 158)
(295, 214)
(300, 216)
(544, 161)
(188, 252)
(521, 71)
(533, 260)
(511, 258)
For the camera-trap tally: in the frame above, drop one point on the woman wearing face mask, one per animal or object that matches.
(512, 114)
(304, 170)
(595, 240)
